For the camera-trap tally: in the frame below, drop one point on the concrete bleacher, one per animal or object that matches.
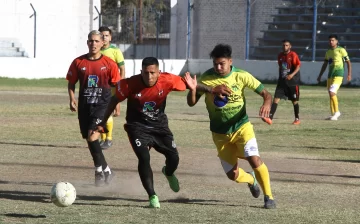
(295, 22)
(10, 47)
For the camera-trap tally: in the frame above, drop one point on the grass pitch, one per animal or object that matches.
(314, 167)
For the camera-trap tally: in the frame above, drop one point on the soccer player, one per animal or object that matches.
(116, 55)
(96, 73)
(146, 122)
(335, 57)
(288, 81)
(232, 132)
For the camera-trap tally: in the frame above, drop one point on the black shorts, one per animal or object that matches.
(161, 139)
(287, 92)
(89, 119)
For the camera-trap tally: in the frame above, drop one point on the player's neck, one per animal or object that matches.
(105, 47)
(93, 57)
(286, 52)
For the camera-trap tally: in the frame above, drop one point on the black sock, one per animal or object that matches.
(273, 110)
(296, 111)
(97, 154)
(144, 169)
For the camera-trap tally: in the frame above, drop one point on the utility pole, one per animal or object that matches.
(140, 5)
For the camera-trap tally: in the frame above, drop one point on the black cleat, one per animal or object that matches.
(269, 203)
(107, 144)
(99, 179)
(109, 175)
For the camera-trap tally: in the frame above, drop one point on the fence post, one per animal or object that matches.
(188, 30)
(99, 15)
(313, 58)
(34, 28)
(247, 30)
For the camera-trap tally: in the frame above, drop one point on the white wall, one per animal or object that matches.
(264, 70)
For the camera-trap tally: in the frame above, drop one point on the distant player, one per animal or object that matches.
(96, 73)
(335, 57)
(288, 81)
(232, 132)
(116, 55)
(146, 122)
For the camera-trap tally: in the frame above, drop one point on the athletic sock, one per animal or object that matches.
(97, 154)
(263, 178)
(107, 169)
(273, 110)
(335, 104)
(296, 110)
(109, 126)
(244, 177)
(98, 168)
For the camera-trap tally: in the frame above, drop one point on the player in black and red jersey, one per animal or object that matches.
(146, 122)
(288, 82)
(96, 74)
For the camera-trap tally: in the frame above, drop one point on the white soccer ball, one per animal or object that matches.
(63, 194)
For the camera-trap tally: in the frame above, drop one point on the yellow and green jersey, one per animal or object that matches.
(335, 58)
(115, 54)
(229, 114)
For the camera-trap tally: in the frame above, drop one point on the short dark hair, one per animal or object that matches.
(105, 28)
(221, 51)
(286, 41)
(333, 36)
(149, 61)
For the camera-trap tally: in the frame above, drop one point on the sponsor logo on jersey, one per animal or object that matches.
(149, 106)
(330, 61)
(83, 68)
(93, 81)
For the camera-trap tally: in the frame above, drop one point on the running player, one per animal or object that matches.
(116, 55)
(335, 57)
(146, 122)
(95, 73)
(288, 81)
(232, 132)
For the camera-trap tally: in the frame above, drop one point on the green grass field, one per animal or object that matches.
(314, 167)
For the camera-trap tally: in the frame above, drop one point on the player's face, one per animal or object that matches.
(94, 44)
(150, 74)
(222, 65)
(333, 42)
(107, 38)
(286, 47)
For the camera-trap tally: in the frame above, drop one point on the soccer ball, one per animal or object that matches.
(63, 194)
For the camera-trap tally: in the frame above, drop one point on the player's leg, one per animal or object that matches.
(140, 143)
(294, 97)
(229, 161)
(107, 139)
(165, 145)
(333, 86)
(279, 93)
(246, 139)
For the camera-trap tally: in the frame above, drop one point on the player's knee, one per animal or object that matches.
(232, 174)
(254, 161)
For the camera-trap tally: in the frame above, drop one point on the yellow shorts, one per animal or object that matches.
(333, 84)
(240, 144)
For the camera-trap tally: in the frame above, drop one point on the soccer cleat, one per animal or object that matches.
(269, 203)
(254, 188)
(173, 181)
(107, 144)
(108, 177)
(99, 179)
(101, 142)
(154, 201)
(267, 120)
(297, 121)
(336, 116)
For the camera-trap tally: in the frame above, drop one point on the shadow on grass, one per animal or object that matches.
(43, 145)
(16, 215)
(25, 196)
(199, 202)
(317, 147)
(317, 174)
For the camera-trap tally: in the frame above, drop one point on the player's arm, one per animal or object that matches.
(265, 108)
(322, 70)
(349, 70)
(71, 91)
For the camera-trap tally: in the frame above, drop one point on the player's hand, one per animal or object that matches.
(264, 110)
(221, 90)
(190, 82)
(319, 79)
(73, 105)
(100, 129)
(289, 77)
(348, 77)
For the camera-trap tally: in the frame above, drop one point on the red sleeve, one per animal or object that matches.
(122, 89)
(296, 60)
(115, 74)
(178, 83)
(72, 75)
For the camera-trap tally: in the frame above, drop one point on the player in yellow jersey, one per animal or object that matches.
(335, 57)
(116, 55)
(232, 132)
